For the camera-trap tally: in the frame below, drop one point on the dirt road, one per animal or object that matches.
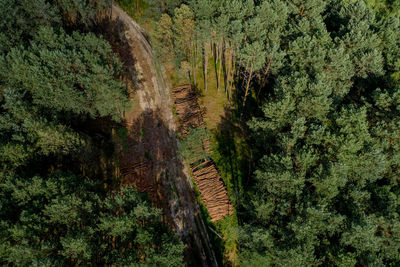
(151, 160)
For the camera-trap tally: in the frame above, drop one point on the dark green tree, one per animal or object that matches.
(60, 96)
(65, 219)
(325, 190)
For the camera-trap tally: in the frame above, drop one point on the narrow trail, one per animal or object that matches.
(150, 160)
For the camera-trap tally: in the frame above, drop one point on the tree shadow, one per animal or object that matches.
(150, 161)
(113, 30)
(234, 155)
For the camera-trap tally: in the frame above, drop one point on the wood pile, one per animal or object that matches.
(205, 174)
(187, 108)
(207, 146)
(137, 173)
(212, 190)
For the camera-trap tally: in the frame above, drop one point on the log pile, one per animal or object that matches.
(207, 146)
(137, 173)
(205, 174)
(187, 108)
(212, 190)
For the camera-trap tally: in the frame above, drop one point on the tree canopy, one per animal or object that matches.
(321, 79)
(60, 98)
(313, 89)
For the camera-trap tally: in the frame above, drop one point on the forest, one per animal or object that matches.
(287, 114)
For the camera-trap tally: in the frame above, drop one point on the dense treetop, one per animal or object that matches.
(322, 84)
(60, 98)
(314, 86)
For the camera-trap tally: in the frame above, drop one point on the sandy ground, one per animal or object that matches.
(150, 160)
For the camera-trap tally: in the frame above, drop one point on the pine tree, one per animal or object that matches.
(320, 188)
(63, 219)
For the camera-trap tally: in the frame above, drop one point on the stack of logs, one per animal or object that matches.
(212, 190)
(187, 108)
(205, 174)
(136, 172)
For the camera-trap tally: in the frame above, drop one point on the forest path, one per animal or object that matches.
(150, 160)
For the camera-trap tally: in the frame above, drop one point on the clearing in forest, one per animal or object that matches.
(148, 156)
(204, 171)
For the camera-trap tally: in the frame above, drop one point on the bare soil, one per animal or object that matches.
(150, 160)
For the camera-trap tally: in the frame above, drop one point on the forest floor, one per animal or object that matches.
(204, 172)
(149, 158)
(226, 152)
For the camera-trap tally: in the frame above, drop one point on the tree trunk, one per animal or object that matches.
(215, 52)
(205, 53)
(220, 64)
(247, 86)
(228, 72)
(190, 78)
(216, 57)
(233, 69)
(193, 64)
(224, 65)
(265, 76)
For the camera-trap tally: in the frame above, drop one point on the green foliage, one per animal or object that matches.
(136, 9)
(163, 6)
(192, 145)
(21, 19)
(49, 88)
(60, 97)
(59, 73)
(385, 7)
(64, 219)
(84, 13)
(326, 151)
(183, 26)
(163, 34)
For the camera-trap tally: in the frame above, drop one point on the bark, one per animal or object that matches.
(233, 70)
(224, 65)
(220, 64)
(214, 51)
(265, 76)
(228, 73)
(193, 65)
(189, 76)
(216, 57)
(205, 60)
(247, 86)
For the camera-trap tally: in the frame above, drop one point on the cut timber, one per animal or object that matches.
(205, 174)
(187, 108)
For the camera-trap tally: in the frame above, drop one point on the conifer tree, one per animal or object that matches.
(320, 188)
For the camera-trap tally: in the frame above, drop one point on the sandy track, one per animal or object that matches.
(165, 177)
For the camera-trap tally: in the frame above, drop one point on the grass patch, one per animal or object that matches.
(192, 145)
(212, 100)
(228, 227)
(134, 8)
